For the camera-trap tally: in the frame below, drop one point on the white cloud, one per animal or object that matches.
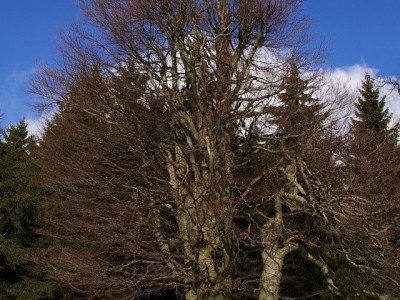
(36, 125)
(351, 77)
(347, 78)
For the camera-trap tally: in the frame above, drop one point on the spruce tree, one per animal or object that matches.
(300, 115)
(19, 211)
(371, 132)
(373, 151)
(373, 161)
(372, 116)
(301, 134)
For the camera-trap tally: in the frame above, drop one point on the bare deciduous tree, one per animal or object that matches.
(179, 163)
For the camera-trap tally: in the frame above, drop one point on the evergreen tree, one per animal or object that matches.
(300, 113)
(373, 144)
(19, 207)
(374, 175)
(302, 134)
(373, 150)
(299, 118)
(372, 116)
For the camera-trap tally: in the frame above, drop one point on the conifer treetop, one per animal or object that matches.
(371, 113)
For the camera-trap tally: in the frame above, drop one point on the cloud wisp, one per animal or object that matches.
(351, 78)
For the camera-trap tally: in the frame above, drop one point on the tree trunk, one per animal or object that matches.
(208, 268)
(272, 258)
(273, 254)
(271, 275)
(194, 295)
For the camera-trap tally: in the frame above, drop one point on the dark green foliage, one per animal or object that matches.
(373, 164)
(372, 116)
(19, 211)
(18, 203)
(300, 115)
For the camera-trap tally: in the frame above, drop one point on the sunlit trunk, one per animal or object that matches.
(273, 254)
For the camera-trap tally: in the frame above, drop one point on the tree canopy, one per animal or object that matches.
(19, 218)
(371, 113)
(193, 154)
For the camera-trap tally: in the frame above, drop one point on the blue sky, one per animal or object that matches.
(29, 31)
(358, 34)
(361, 32)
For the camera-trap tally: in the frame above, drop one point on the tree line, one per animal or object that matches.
(194, 153)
